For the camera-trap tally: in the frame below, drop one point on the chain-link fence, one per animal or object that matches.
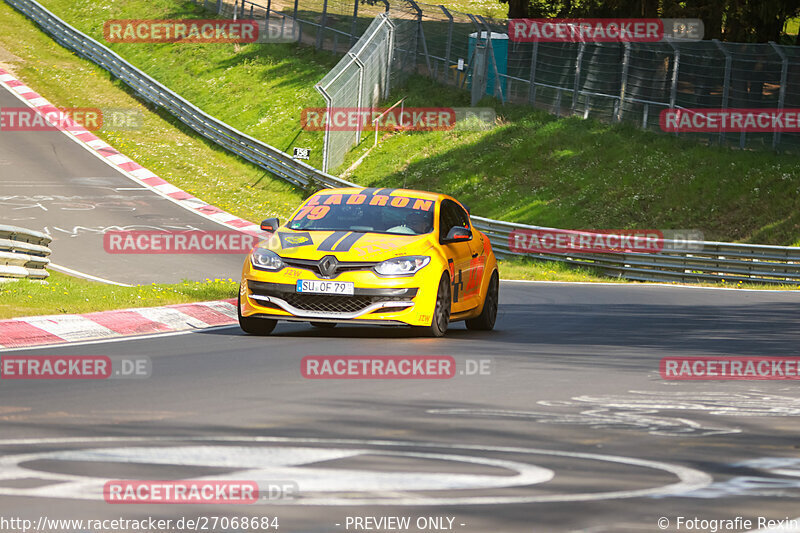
(359, 80)
(630, 82)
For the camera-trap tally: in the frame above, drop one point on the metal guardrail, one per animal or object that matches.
(23, 253)
(697, 261)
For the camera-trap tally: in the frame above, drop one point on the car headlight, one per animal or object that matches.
(402, 266)
(264, 259)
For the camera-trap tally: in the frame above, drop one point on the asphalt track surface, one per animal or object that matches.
(50, 183)
(573, 429)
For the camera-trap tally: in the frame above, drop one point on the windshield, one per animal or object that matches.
(358, 212)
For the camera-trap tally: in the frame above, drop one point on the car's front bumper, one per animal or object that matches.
(401, 300)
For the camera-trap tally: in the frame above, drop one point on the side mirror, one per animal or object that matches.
(270, 224)
(457, 234)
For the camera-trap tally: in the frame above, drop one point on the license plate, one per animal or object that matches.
(325, 287)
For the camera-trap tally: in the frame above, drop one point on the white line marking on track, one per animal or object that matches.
(645, 284)
(689, 478)
(71, 272)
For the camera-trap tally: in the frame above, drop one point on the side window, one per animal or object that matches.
(450, 215)
(463, 217)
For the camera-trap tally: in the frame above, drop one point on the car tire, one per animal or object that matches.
(323, 325)
(254, 326)
(441, 311)
(485, 321)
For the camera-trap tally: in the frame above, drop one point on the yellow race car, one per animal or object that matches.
(371, 256)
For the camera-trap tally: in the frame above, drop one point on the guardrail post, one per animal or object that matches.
(449, 44)
(576, 85)
(776, 135)
(532, 85)
(726, 81)
(322, 22)
(626, 57)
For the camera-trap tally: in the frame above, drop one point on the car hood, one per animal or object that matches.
(345, 245)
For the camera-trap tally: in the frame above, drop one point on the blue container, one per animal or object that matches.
(500, 48)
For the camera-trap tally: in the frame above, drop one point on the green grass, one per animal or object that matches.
(163, 145)
(64, 294)
(567, 172)
(528, 269)
(532, 168)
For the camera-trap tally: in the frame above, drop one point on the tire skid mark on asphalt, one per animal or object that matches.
(645, 410)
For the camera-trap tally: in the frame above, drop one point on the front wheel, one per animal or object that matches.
(441, 313)
(485, 321)
(254, 326)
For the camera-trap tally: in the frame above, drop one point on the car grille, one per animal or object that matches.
(331, 303)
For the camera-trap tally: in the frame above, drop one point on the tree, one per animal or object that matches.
(731, 20)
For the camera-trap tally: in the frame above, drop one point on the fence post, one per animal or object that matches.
(626, 57)
(219, 7)
(321, 28)
(294, 15)
(360, 101)
(557, 104)
(269, 8)
(776, 135)
(327, 135)
(578, 62)
(449, 44)
(726, 80)
(420, 33)
(389, 55)
(532, 86)
(673, 89)
(353, 25)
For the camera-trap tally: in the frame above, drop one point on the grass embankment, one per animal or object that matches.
(219, 78)
(65, 294)
(163, 144)
(532, 168)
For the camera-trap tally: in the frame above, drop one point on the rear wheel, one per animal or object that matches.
(324, 325)
(441, 313)
(254, 326)
(485, 321)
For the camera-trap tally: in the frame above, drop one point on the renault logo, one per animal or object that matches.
(327, 266)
